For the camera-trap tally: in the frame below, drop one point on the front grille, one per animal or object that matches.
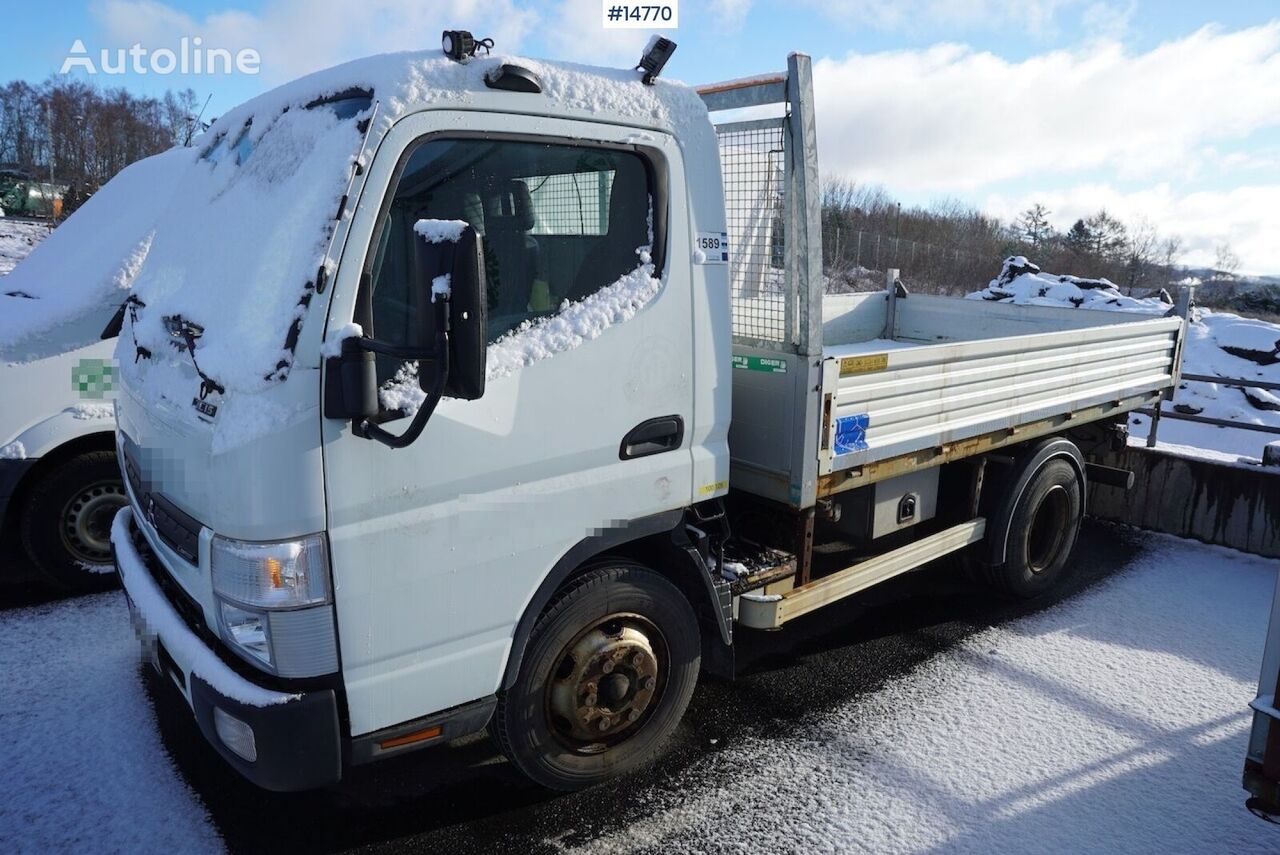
(179, 530)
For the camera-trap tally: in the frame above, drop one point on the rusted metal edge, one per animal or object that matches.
(734, 85)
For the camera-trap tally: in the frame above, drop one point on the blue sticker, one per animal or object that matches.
(851, 433)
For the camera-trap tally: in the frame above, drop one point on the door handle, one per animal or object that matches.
(653, 436)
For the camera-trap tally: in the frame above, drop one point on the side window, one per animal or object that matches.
(558, 222)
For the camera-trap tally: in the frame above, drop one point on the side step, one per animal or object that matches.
(771, 611)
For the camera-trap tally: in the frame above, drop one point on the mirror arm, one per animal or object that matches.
(440, 355)
(400, 352)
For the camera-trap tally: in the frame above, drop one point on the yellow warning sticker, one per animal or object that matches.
(863, 364)
(713, 488)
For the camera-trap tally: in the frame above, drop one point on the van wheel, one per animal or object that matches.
(1042, 532)
(66, 524)
(608, 673)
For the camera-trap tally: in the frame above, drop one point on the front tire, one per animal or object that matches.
(66, 524)
(609, 670)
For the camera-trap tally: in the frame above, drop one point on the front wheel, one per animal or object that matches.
(66, 524)
(609, 670)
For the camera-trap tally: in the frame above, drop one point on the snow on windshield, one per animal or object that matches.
(241, 242)
(61, 295)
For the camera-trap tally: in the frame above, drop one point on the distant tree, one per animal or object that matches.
(1226, 262)
(1033, 226)
(1140, 254)
(1079, 238)
(1108, 235)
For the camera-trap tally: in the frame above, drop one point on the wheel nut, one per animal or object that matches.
(604, 723)
(633, 715)
(589, 700)
(638, 660)
(649, 683)
(607, 667)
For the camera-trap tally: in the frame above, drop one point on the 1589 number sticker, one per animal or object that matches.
(711, 247)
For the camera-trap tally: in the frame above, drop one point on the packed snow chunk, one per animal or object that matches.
(13, 451)
(440, 231)
(161, 620)
(1022, 283)
(440, 287)
(91, 412)
(574, 324)
(402, 392)
(333, 343)
(72, 283)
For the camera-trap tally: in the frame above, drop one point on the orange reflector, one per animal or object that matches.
(410, 738)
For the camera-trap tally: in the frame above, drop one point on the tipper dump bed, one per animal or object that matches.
(832, 392)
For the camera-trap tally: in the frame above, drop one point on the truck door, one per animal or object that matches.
(438, 547)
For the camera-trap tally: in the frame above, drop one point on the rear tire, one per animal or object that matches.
(1042, 532)
(66, 524)
(608, 672)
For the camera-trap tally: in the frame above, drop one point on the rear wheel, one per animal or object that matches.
(608, 673)
(1042, 532)
(66, 524)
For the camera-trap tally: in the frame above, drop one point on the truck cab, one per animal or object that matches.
(409, 580)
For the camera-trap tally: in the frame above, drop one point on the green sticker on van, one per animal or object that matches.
(93, 378)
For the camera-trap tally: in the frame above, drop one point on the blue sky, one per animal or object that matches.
(1165, 110)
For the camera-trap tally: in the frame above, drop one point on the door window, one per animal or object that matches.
(558, 223)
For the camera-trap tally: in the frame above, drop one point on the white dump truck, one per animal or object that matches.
(466, 395)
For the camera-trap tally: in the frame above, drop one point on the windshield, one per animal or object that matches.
(238, 250)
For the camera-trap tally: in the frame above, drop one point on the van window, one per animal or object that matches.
(558, 222)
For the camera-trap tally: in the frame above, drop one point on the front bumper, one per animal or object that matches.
(297, 735)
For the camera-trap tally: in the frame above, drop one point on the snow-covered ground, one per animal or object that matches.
(17, 238)
(1219, 344)
(1113, 722)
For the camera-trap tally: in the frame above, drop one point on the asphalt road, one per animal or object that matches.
(465, 798)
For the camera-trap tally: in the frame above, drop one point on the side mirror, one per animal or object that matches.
(449, 264)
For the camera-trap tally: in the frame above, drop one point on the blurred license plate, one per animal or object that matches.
(147, 638)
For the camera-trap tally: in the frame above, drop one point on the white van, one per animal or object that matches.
(60, 485)
(489, 394)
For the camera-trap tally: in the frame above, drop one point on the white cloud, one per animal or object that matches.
(948, 118)
(297, 36)
(1034, 16)
(1246, 217)
(574, 32)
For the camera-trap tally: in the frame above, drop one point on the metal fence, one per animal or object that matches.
(1158, 413)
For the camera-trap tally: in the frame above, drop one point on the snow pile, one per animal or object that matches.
(17, 239)
(84, 767)
(62, 295)
(1218, 344)
(13, 451)
(1098, 724)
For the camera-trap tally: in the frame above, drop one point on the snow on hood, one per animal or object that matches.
(1218, 344)
(61, 295)
(242, 241)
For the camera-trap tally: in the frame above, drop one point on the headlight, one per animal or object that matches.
(247, 630)
(284, 575)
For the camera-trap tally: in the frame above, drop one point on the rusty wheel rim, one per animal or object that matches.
(606, 683)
